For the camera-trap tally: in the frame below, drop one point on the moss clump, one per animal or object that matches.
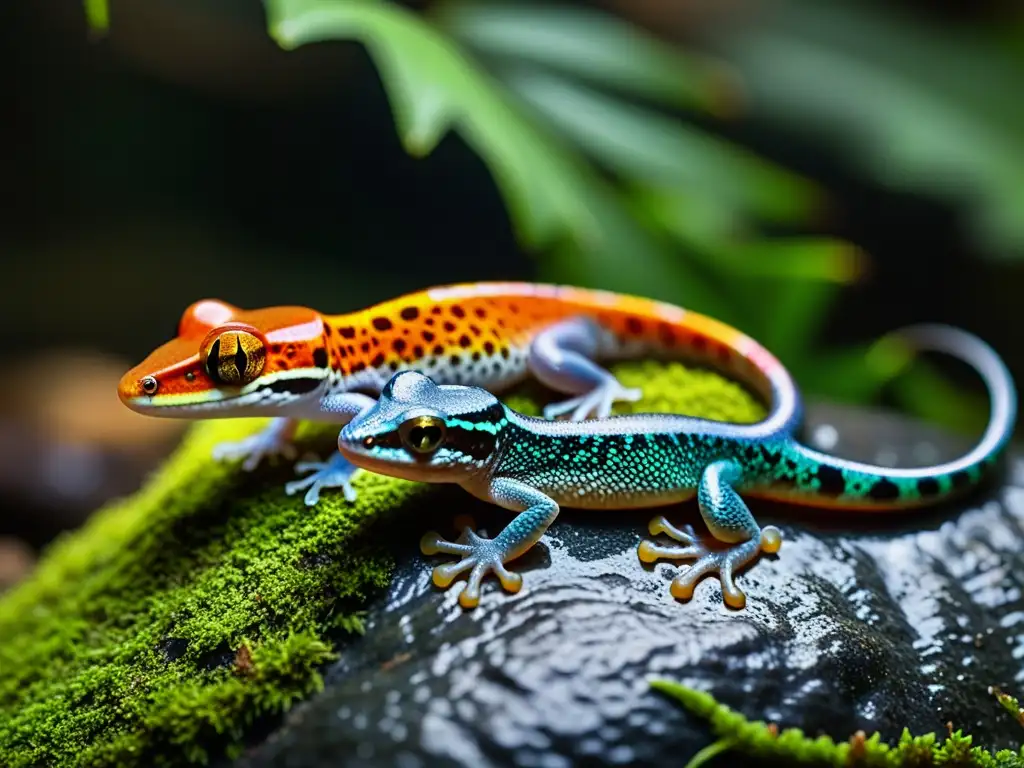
(792, 747)
(160, 632)
(667, 388)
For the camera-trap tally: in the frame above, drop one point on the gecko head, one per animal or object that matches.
(224, 361)
(421, 431)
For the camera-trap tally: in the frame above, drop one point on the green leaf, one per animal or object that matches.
(555, 197)
(595, 46)
(859, 373)
(641, 145)
(433, 88)
(925, 392)
(931, 109)
(853, 374)
(788, 322)
(97, 15)
(632, 258)
(717, 236)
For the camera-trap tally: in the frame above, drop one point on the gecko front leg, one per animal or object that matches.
(480, 555)
(337, 471)
(562, 357)
(278, 439)
(730, 521)
(274, 440)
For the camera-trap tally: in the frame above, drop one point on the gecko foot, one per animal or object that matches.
(336, 472)
(478, 555)
(254, 449)
(724, 562)
(598, 401)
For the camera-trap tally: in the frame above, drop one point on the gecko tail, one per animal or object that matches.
(822, 480)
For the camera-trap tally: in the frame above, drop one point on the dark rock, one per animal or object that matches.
(871, 623)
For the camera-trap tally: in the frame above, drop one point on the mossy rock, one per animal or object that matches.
(174, 621)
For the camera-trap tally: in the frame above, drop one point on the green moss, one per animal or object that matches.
(792, 747)
(174, 620)
(667, 388)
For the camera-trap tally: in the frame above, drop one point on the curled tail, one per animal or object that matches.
(817, 479)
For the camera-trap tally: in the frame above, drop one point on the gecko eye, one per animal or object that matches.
(233, 356)
(149, 385)
(423, 435)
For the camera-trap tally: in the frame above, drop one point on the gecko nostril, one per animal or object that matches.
(368, 442)
(149, 385)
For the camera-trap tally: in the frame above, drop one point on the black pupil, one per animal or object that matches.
(425, 438)
(240, 361)
(212, 360)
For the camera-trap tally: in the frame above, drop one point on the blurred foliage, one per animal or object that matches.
(590, 128)
(927, 107)
(97, 13)
(539, 133)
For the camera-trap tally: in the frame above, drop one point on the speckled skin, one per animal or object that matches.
(422, 431)
(294, 363)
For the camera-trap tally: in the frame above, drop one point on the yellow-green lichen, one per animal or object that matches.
(791, 746)
(174, 620)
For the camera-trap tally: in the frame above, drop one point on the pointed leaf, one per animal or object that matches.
(596, 46)
(433, 87)
(642, 145)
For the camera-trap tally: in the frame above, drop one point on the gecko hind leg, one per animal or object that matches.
(480, 555)
(336, 472)
(562, 357)
(274, 440)
(730, 521)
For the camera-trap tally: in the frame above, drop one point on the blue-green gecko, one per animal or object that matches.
(419, 430)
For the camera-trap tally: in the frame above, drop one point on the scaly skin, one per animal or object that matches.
(453, 434)
(294, 363)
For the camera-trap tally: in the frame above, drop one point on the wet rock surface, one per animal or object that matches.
(858, 623)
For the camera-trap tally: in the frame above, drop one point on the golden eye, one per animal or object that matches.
(424, 434)
(233, 356)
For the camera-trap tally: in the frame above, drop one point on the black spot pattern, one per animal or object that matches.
(884, 490)
(830, 481)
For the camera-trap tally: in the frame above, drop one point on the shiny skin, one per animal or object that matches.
(422, 431)
(294, 363)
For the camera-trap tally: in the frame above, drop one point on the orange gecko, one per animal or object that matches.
(294, 363)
